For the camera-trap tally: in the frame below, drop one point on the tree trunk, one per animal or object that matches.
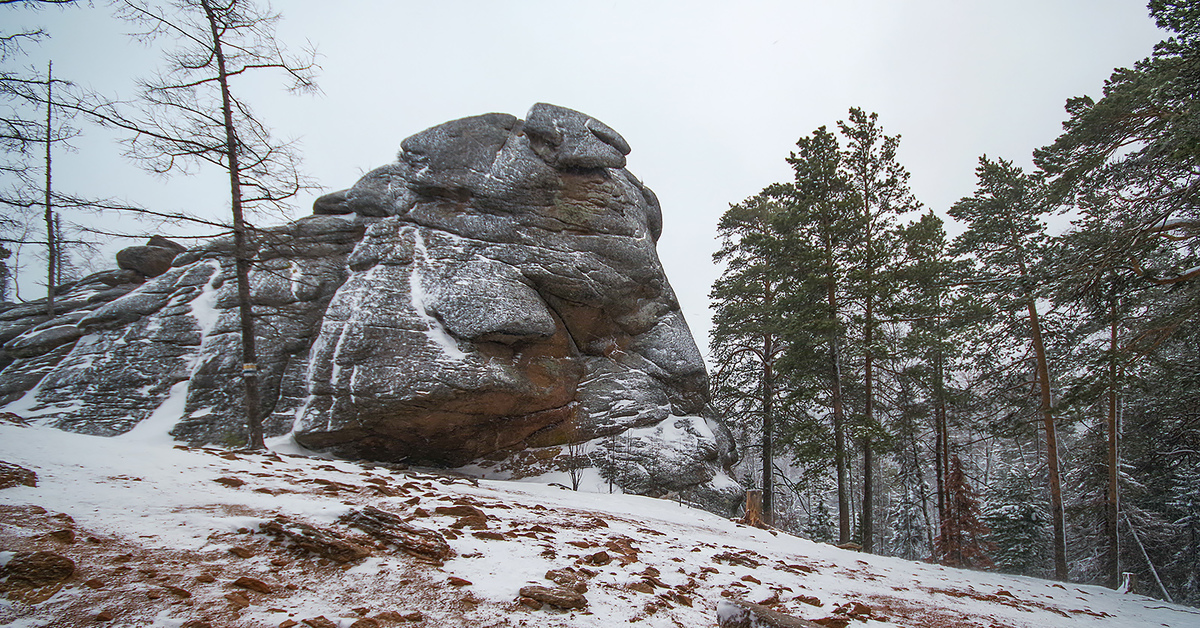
(1056, 503)
(754, 508)
(768, 494)
(868, 500)
(868, 532)
(924, 499)
(941, 436)
(1112, 501)
(839, 427)
(241, 246)
(52, 243)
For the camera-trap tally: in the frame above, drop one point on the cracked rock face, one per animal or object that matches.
(495, 288)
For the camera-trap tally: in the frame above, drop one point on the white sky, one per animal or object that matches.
(711, 95)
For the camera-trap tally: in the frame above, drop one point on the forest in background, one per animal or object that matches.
(1009, 399)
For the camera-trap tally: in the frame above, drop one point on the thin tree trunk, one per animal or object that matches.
(768, 496)
(940, 434)
(839, 425)
(58, 250)
(924, 498)
(868, 499)
(1112, 503)
(241, 247)
(1149, 563)
(52, 252)
(1056, 503)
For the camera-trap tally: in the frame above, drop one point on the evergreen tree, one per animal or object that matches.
(878, 193)
(1185, 500)
(1006, 236)
(1086, 488)
(1160, 437)
(1141, 142)
(819, 526)
(1103, 303)
(937, 315)
(908, 529)
(1129, 162)
(963, 540)
(821, 225)
(748, 326)
(1017, 520)
(912, 530)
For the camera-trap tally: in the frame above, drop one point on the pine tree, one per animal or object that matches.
(1086, 487)
(819, 526)
(1018, 525)
(912, 530)
(1185, 500)
(1140, 141)
(963, 539)
(937, 315)
(1006, 235)
(822, 229)
(878, 194)
(1128, 162)
(748, 326)
(908, 539)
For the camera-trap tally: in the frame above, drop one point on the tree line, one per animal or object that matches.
(1009, 398)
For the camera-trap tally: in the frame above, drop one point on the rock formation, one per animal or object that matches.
(495, 291)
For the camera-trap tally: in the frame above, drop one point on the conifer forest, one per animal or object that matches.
(1014, 397)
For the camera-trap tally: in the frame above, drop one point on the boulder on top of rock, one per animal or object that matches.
(148, 260)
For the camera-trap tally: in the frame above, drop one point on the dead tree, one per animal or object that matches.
(190, 114)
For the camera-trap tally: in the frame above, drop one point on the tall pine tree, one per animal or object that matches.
(747, 338)
(878, 193)
(1006, 235)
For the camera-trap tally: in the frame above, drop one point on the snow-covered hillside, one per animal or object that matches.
(170, 536)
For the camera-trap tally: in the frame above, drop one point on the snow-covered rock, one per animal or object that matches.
(495, 289)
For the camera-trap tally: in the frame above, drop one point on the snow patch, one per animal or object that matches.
(434, 329)
(155, 429)
(204, 306)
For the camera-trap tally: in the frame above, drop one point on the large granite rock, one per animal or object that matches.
(495, 289)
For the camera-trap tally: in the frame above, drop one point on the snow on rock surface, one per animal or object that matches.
(163, 536)
(496, 289)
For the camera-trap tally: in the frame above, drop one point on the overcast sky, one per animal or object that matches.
(711, 95)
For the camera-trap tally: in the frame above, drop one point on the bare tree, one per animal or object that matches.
(189, 115)
(29, 124)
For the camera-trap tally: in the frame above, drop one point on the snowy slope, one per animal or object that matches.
(154, 533)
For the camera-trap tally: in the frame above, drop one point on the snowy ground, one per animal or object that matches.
(160, 542)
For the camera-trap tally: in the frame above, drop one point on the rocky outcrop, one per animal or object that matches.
(743, 614)
(25, 570)
(497, 288)
(15, 475)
